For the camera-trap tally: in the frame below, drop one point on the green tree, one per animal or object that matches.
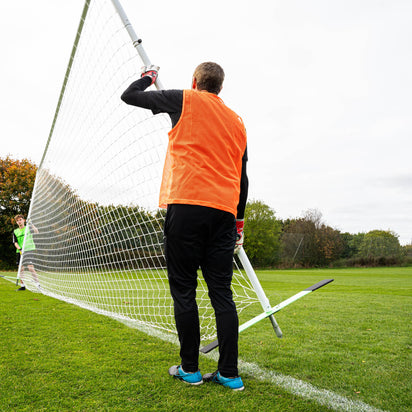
(380, 244)
(16, 187)
(355, 244)
(407, 251)
(262, 234)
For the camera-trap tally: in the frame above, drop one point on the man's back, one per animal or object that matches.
(204, 158)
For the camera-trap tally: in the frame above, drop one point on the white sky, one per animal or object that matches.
(324, 87)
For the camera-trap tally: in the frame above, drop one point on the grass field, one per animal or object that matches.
(345, 347)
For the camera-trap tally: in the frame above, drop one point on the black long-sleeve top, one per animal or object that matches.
(171, 102)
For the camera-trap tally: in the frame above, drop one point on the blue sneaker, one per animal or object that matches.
(235, 383)
(192, 378)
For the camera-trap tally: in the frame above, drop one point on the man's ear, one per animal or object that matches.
(194, 83)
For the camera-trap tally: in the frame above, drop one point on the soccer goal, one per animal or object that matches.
(100, 240)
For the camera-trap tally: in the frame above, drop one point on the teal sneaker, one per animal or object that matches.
(235, 383)
(192, 378)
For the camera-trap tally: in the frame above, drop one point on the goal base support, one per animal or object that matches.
(269, 313)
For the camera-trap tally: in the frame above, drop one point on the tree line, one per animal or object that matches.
(308, 242)
(117, 236)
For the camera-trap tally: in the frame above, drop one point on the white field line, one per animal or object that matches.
(292, 385)
(306, 390)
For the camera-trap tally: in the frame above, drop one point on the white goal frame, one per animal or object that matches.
(268, 310)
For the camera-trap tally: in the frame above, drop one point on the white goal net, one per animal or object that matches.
(100, 240)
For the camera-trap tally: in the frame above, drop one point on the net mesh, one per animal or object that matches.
(100, 234)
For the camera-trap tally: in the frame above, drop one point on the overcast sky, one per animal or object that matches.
(324, 88)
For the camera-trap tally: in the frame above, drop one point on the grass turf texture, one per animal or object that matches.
(351, 337)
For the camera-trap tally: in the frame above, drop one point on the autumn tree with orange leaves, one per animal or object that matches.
(16, 187)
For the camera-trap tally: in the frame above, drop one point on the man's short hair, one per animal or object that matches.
(209, 76)
(18, 217)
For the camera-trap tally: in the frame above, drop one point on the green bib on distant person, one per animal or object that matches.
(20, 239)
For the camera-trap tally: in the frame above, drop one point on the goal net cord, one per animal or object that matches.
(100, 233)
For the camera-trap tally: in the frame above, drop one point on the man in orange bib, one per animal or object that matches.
(204, 188)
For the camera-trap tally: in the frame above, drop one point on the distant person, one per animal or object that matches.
(29, 249)
(204, 189)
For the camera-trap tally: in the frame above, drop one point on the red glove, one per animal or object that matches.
(239, 237)
(151, 71)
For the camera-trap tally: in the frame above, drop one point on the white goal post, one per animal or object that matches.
(100, 233)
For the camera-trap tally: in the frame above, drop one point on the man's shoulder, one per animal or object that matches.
(167, 95)
(171, 91)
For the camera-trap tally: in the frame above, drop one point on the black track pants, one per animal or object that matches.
(198, 236)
